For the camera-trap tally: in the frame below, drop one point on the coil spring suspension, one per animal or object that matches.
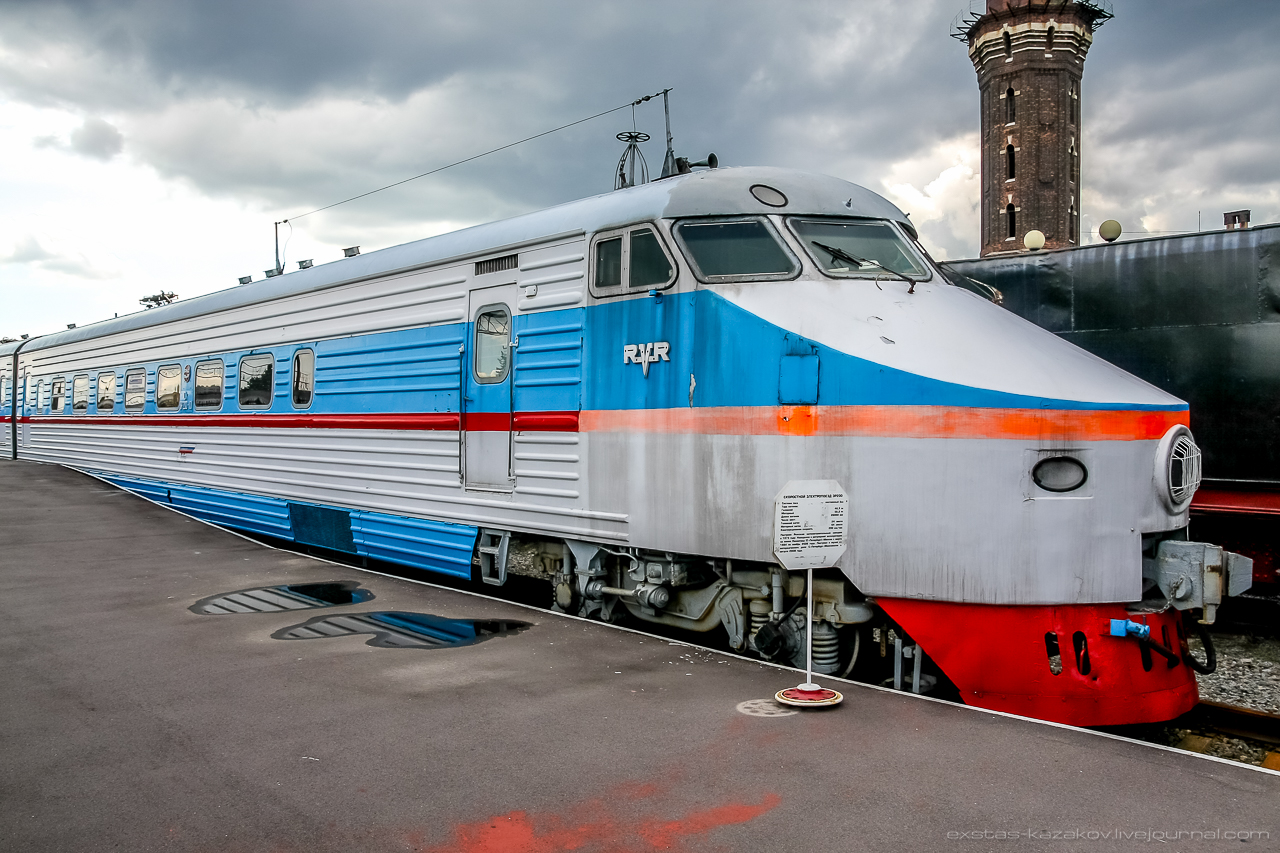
(759, 616)
(826, 648)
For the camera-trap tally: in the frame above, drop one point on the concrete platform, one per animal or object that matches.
(127, 722)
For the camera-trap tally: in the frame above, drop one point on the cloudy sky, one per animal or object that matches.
(149, 145)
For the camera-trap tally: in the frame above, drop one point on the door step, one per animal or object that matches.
(493, 556)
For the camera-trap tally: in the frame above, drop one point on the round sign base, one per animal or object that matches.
(813, 697)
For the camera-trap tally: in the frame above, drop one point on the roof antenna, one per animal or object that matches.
(279, 269)
(668, 162)
(632, 159)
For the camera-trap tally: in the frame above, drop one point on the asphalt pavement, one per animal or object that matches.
(129, 722)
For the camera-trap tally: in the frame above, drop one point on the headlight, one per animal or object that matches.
(1059, 474)
(1177, 468)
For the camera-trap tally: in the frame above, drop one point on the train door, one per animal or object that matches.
(488, 383)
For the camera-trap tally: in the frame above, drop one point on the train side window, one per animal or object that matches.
(168, 387)
(57, 395)
(609, 263)
(304, 378)
(257, 378)
(631, 258)
(648, 265)
(80, 393)
(209, 375)
(135, 390)
(493, 344)
(107, 391)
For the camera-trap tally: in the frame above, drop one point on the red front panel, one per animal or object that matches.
(996, 655)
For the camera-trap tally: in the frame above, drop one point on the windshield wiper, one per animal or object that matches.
(841, 255)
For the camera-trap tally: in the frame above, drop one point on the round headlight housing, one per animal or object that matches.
(1060, 474)
(1177, 468)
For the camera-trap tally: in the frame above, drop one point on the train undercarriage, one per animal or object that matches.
(1088, 664)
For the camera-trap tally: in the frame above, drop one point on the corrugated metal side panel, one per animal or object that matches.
(433, 545)
(322, 526)
(243, 512)
(158, 492)
(422, 299)
(6, 401)
(548, 378)
(411, 371)
(548, 375)
(400, 472)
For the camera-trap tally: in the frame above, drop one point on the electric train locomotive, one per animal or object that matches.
(609, 394)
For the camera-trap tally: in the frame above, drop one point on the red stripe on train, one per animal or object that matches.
(473, 421)
(1239, 501)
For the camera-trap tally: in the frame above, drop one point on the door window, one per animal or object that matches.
(304, 377)
(57, 395)
(493, 344)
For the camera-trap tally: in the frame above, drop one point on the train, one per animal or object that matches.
(609, 396)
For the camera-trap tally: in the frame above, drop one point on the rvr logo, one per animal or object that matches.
(645, 354)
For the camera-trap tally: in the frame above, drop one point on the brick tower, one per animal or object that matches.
(1029, 55)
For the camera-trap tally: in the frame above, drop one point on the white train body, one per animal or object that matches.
(539, 383)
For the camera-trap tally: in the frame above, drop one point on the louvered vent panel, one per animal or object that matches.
(506, 262)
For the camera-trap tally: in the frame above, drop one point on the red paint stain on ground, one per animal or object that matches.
(522, 832)
(665, 836)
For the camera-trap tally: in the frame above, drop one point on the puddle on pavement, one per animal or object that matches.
(274, 599)
(396, 630)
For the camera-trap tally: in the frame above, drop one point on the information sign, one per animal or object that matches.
(810, 522)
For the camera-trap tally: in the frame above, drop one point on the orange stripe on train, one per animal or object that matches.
(892, 421)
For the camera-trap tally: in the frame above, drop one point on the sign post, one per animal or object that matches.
(810, 529)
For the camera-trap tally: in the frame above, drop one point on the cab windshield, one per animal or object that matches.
(858, 248)
(739, 249)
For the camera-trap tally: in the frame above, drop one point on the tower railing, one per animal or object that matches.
(962, 24)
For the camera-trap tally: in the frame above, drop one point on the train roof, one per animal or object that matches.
(713, 192)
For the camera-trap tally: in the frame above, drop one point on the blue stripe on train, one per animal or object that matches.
(737, 357)
(572, 359)
(409, 370)
(436, 546)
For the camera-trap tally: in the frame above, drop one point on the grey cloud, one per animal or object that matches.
(79, 267)
(29, 250)
(98, 139)
(292, 105)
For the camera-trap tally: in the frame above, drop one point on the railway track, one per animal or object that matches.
(1210, 722)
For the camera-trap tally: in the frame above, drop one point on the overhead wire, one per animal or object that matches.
(632, 104)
